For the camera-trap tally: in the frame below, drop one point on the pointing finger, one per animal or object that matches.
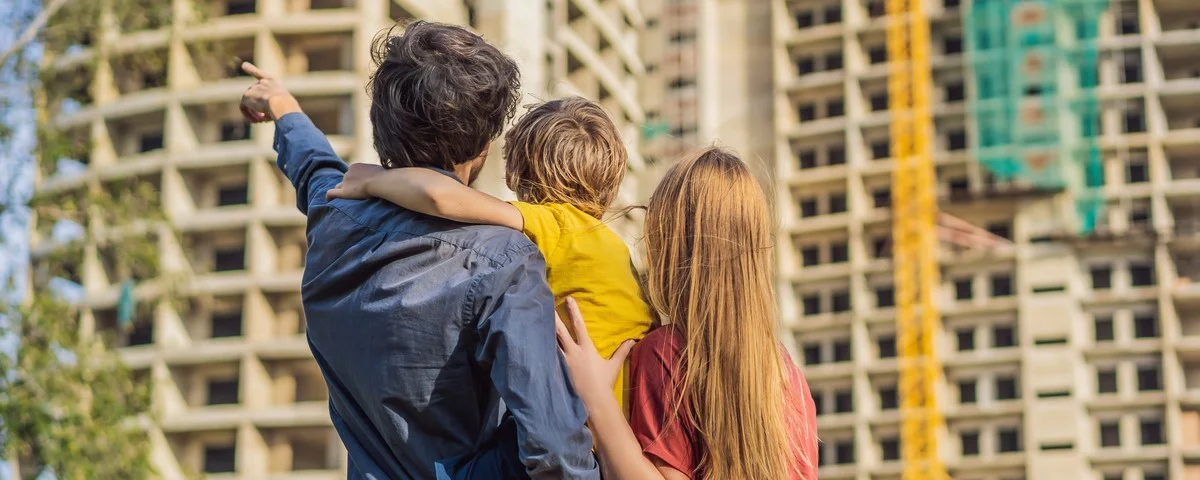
(253, 70)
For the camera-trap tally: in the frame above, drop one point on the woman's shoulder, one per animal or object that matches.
(664, 344)
(799, 382)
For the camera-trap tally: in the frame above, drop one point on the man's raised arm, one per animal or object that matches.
(305, 156)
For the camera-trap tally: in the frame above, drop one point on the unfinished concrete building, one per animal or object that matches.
(588, 48)
(236, 389)
(1064, 355)
(708, 81)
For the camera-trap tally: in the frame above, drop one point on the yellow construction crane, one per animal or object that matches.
(914, 237)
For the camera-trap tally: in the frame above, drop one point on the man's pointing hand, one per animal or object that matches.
(267, 99)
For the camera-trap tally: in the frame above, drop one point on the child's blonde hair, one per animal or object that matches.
(566, 151)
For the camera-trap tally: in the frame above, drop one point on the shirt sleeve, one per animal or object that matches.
(542, 226)
(516, 327)
(652, 397)
(307, 159)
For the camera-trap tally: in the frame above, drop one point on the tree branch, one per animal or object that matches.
(32, 30)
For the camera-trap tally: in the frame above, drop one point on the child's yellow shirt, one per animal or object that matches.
(587, 261)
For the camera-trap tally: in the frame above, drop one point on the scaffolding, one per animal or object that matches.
(1035, 73)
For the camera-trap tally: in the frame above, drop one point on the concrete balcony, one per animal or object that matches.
(1181, 38)
(836, 471)
(1133, 294)
(828, 371)
(61, 183)
(223, 417)
(127, 105)
(301, 414)
(220, 27)
(291, 348)
(992, 305)
(1126, 401)
(821, 322)
(819, 223)
(129, 42)
(982, 358)
(331, 474)
(216, 218)
(835, 421)
(283, 282)
(1118, 455)
(813, 80)
(884, 367)
(987, 462)
(973, 411)
(1182, 136)
(140, 357)
(1183, 188)
(802, 36)
(1180, 86)
(817, 273)
(1189, 398)
(222, 154)
(1188, 452)
(608, 78)
(1188, 346)
(282, 216)
(221, 283)
(1187, 291)
(815, 128)
(887, 469)
(315, 21)
(1124, 349)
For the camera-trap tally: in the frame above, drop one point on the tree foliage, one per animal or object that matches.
(67, 403)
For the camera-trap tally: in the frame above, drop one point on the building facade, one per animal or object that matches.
(236, 390)
(588, 48)
(708, 81)
(1064, 355)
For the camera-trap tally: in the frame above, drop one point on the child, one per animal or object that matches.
(565, 161)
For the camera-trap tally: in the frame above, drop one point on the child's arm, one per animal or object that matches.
(429, 192)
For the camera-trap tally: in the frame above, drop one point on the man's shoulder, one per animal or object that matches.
(501, 245)
(498, 244)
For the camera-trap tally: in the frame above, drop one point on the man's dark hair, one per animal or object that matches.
(439, 94)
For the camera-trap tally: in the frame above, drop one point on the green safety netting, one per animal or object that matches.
(1034, 65)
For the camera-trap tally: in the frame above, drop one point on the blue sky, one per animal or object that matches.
(15, 169)
(15, 155)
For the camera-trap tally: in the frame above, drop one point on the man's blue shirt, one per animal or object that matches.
(422, 328)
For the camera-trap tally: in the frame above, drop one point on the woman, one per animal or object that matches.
(713, 396)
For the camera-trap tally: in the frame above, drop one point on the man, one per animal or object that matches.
(422, 326)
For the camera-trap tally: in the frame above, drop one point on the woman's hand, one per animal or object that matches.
(593, 376)
(354, 183)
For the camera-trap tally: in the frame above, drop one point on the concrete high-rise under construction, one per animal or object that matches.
(1064, 354)
(237, 392)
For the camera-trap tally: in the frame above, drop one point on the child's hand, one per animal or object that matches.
(354, 184)
(593, 376)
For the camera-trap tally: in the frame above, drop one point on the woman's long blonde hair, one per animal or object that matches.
(708, 240)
